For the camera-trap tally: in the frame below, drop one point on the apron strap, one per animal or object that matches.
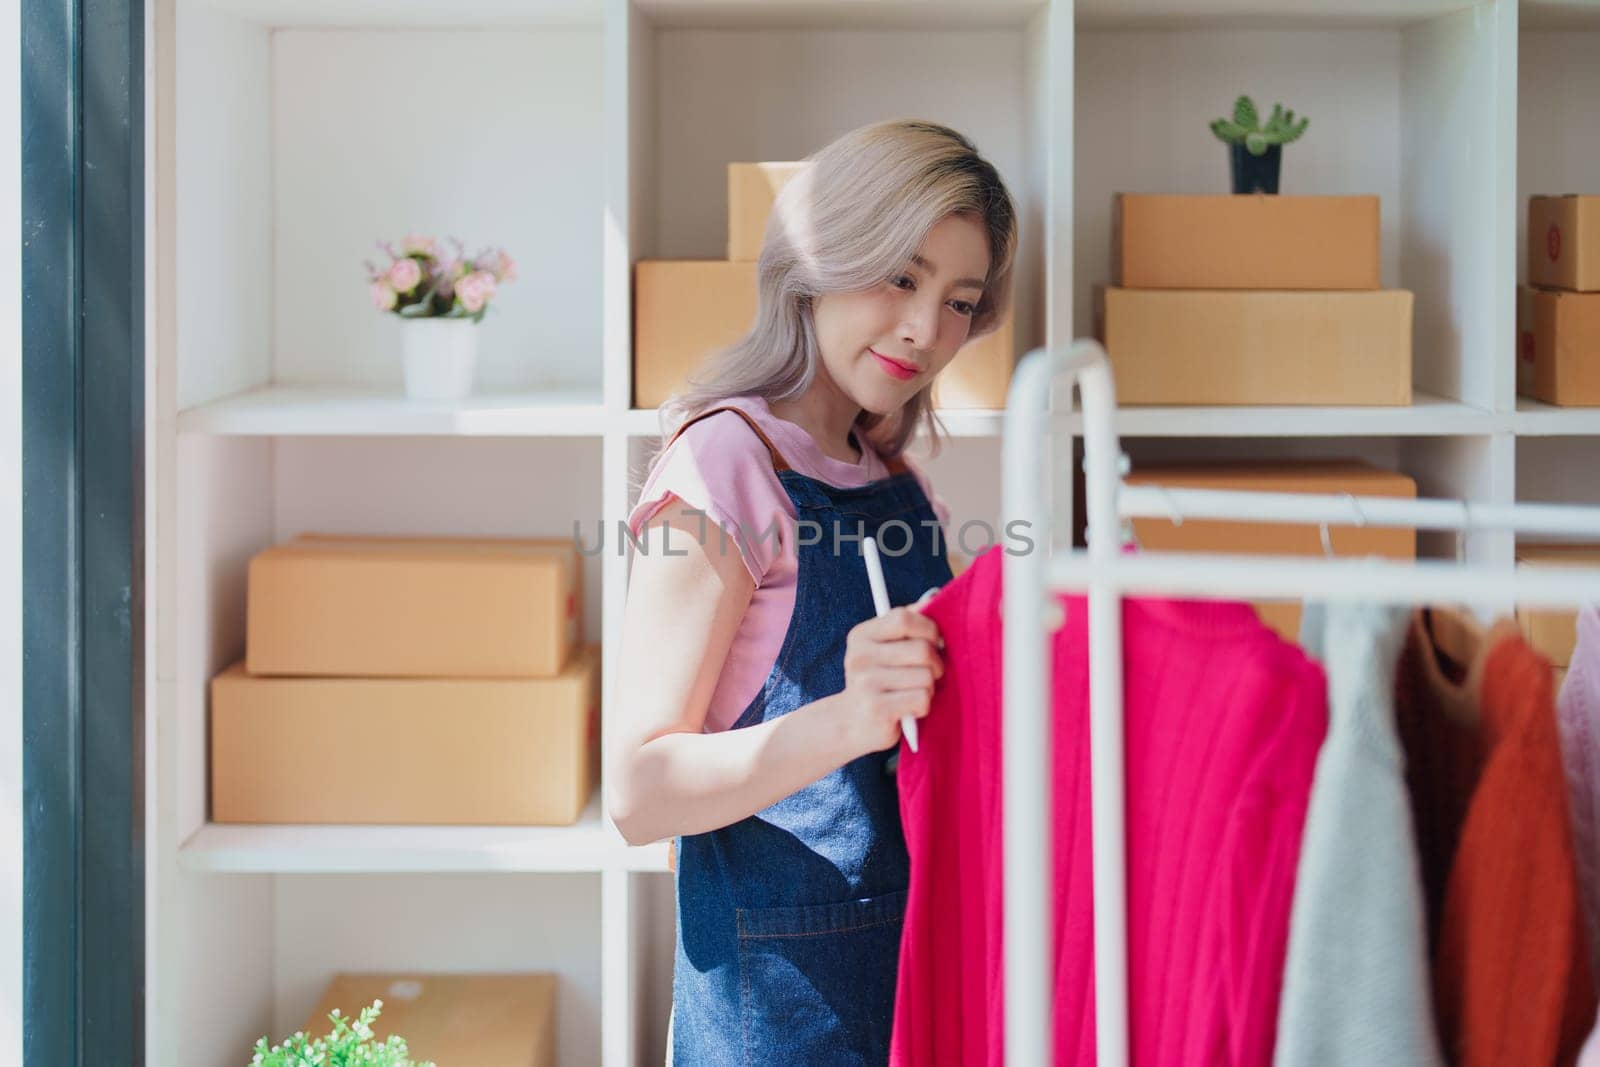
(778, 462)
(895, 465)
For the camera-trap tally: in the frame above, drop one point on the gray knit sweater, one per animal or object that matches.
(1356, 987)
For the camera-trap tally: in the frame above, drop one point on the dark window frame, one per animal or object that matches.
(83, 322)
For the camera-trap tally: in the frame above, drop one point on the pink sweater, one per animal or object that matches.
(1224, 722)
(720, 467)
(1578, 718)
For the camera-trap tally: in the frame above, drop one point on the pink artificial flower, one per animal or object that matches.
(417, 243)
(383, 297)
(404, 275)
(475, 290)
(506, 267)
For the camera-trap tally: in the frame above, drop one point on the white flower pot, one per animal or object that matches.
(440, 355)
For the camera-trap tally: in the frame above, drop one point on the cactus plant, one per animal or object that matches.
(1245, 127)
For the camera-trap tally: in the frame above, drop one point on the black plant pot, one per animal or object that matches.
(1256, 174)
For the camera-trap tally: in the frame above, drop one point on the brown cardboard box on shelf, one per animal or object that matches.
(752, 189)
(1564, 242)
(1553, 633)
(1277, 539)
(981, 372)
(1245, 242)
(388, 751)
(391, 607)
(685, 309)
(1185, 346)
(1558, 346)
(485, 1020)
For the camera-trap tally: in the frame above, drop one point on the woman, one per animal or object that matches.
(759, 696)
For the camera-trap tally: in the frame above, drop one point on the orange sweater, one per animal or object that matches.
(1511, 980)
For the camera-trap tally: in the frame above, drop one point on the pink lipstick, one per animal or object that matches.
(900, 372)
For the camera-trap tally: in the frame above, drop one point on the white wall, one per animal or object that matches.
(214, 979)
(1561, 470)
(1558, 149)
(223, 190)
(495, 137)
(474, 487)
(1456, 181)
(717, 90)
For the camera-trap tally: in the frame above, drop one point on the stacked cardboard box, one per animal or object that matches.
(684, 310)
(1252, 299)
(1322, 477)
(1554, 634)
(486, 1020)
(408, 680)
(1558, 311)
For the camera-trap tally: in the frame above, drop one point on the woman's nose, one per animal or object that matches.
(920, 325)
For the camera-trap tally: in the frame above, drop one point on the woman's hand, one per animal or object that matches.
(891, 663)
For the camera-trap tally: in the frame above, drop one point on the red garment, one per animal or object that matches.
(1511, 981)
(1224, 721)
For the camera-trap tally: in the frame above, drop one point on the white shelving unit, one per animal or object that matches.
(1556, 71)
(585, 135)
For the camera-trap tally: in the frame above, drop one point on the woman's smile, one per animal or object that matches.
(897, 370)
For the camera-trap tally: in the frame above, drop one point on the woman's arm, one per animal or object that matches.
(667, 777)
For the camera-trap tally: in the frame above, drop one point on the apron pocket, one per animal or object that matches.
(816, 982)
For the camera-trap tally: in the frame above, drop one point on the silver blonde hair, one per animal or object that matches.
(847, 222)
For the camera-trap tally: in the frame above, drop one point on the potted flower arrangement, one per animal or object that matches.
(345, 1046)
(440, 299)
(1256, 149)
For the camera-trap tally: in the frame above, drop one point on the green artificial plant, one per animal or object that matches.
(345, 1046)
(1245, 128)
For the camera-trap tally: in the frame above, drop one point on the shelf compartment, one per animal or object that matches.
(1397, 97)
(289, 173)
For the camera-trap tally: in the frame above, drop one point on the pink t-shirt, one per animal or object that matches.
(719, 466)
(1224, 721)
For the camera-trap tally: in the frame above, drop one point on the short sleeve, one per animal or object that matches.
(720, 467)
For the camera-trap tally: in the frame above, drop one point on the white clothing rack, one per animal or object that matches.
(1031, 581)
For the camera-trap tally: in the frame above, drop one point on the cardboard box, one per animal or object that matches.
(1184, 346)
(980, 374)
(1558, 346)
(486, 1020)
(427, 751)
(396, 607)
(752, 189)
(1245, 242)
(1554, 634)
(1564, 242)
(684, 310)
(1278, 539)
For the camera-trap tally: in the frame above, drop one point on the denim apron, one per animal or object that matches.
(788, 939)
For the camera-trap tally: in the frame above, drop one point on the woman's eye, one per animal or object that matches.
(963, 308)
(899, 278)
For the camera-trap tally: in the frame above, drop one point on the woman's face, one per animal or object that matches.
(882, 344)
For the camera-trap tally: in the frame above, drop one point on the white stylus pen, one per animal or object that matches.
(880, 604)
